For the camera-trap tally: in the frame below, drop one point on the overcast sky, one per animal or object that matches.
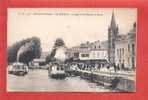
(75, 26)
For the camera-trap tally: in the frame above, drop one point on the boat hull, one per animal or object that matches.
(58, 76)
(18, 73)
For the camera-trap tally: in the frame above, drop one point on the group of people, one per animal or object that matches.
(82, 66)
(91, 67)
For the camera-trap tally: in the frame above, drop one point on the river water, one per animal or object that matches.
(37, 80)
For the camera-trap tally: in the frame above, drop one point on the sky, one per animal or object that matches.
(73, 25)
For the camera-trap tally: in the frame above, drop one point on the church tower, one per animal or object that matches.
(112, 34)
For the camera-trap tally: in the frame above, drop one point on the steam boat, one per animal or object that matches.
(57, 71)
(19, 69)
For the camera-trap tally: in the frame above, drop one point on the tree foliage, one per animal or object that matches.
(25, 50)
(50, 57)
(58, 42)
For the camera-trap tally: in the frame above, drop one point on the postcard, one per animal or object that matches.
(71, 49)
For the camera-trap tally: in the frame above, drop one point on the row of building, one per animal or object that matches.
(88, 52)
(118, 50)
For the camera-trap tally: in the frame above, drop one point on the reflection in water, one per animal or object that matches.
(38, 80)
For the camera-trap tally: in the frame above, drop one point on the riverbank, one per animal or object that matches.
(117, 81)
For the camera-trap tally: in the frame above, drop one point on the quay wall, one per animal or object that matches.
(110, 80)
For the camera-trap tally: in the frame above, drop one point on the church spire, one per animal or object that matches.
(112, 33)
(113, 22)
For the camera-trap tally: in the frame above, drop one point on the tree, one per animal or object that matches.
(12, 50)
(25, 50)
(58, 42)
(29, 51)
(50, 57)
(11, 57)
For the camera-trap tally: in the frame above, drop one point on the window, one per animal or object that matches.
(76, 55)
(123, 51)
(120, 52)
(84, 55)
(95, 46)
(99, 46)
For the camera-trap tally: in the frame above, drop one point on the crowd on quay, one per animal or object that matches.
(90, 67)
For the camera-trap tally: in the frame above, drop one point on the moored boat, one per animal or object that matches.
(57, 68)
(57, 71)
(19, 69)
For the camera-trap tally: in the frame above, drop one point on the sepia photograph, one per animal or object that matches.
(71, 49)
